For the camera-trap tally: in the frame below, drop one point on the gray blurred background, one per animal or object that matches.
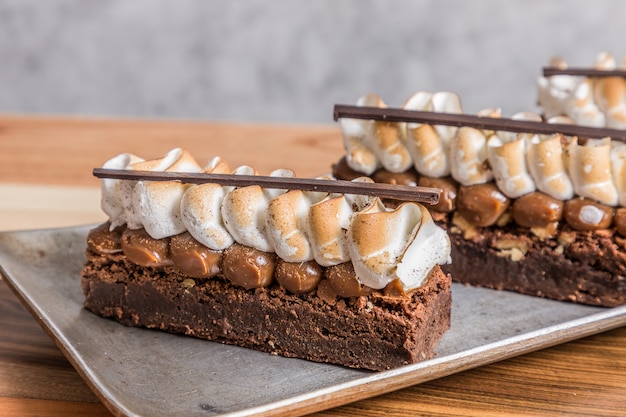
(287, 60)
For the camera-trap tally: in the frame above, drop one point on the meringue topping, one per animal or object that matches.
(327, 223)
(402, 235)
(287, 225)
(151, 202)
(546, 164)
(244, 211)
(507, 161)
(297, 226)
(116, 194)
(371, 144)
(520, 163)
(618, 168)
(428, 144)
(590, 170)
(589, 101)
(157, 207)
(201, 209)
(468, 157)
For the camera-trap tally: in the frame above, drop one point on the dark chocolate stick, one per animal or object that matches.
(583, 72)
(388, 191)
(478, 122)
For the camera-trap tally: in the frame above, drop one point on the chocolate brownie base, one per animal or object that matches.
(374, 332)
(583, 267)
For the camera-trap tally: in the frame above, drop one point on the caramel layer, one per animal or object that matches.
(241, 265)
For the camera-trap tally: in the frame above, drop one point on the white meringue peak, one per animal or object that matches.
(157, 207)
(116, 194)
(201, 210)
(427, 144)
(156, 198)
(590, 170)
(244, 211)
(508, 164)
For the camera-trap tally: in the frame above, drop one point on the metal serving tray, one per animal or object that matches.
(148, 372)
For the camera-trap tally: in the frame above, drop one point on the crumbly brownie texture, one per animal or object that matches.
(589, 269)
(374, 332)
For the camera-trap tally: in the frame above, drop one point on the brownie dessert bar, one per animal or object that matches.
(371, 296)
(537, 214)
(374, 332)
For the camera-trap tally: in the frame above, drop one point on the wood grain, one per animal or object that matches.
(50, 408)
(30, 363)
(585, 377)
(64, 151)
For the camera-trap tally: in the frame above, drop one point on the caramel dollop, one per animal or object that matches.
(343, 281)
(104, 241)
(342, 170)
(449, 190)
(408, 177)
(585, 215)
(193, 258)
(481, 204)
(144, 250)
(248, 267)
(537, 209)
(394, 289)
(619, 220)
(298, 277)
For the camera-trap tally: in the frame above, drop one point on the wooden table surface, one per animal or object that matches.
(46, 181)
